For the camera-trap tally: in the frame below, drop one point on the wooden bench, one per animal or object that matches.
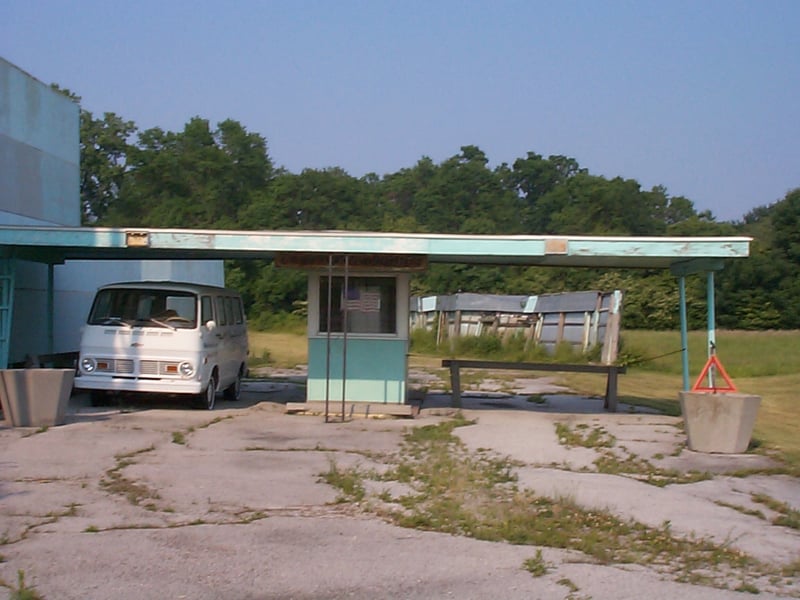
(611, 372)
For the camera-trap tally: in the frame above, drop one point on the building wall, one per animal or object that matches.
(40, 185)
(39, 151)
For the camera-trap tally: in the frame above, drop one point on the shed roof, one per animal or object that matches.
(681, 254)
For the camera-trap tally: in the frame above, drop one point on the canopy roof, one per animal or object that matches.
(681, 254)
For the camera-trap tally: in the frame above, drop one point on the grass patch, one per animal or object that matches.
(476, 494)
(277, 349)
(178, 437)
(744, 354)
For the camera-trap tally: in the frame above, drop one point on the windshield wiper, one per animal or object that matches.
(162, 323)
(115, 321)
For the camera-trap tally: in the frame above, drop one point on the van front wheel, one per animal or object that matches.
(207, 398)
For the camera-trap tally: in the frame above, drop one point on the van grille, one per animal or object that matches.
(111, 365)
(147, 368)
(157, 367)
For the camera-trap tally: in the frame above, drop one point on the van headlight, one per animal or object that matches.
(186, 369)
(88, 365)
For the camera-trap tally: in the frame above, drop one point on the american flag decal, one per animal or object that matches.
(361, 301)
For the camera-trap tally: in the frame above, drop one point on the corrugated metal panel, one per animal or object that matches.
(489, 303)
(578, 318)
(567, 302)
(429, 304)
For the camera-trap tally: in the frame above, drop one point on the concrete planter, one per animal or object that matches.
(35, 397)
(719, 422)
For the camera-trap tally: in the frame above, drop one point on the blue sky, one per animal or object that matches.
(702, 97)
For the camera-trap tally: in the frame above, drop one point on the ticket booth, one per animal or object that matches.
(358, 325)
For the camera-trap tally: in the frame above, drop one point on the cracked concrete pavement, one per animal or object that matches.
(229, 504)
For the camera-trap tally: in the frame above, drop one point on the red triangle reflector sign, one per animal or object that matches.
(713, 361)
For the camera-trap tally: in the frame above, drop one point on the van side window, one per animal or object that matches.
(229, 310)
(206, 310)
(237, 309)
(221, 319)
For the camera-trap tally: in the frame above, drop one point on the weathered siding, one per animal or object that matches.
(582, 319)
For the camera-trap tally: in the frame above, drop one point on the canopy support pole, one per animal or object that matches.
(684, 333)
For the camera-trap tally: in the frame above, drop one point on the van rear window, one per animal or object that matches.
(141, 307)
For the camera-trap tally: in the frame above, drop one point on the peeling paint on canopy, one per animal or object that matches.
(681, 254)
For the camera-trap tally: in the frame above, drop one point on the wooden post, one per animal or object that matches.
(587, 326)
(455, 384)
(611, 390)
(560, 332)
(611, 342)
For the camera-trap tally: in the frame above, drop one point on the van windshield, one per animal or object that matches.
(142, 307)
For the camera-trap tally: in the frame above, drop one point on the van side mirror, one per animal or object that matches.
(211, 325)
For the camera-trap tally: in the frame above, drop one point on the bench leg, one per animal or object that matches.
(455, 384)
(610, 403)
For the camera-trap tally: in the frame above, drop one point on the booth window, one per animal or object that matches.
(371, 304)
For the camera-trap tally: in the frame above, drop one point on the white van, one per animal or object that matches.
(164, 338)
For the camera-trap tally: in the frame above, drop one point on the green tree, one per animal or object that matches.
(315, 199)
(104, 147)
(104, 155)
(786, 227)
(532, 178)
(462, 195)
(195, 178)
(761, 292)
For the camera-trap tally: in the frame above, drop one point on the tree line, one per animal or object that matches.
(223, 177)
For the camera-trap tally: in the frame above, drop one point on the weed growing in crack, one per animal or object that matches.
(618, 460)
(213, 421)
(536, 566)
(598, 437)
(751, 512)
(349, 482)
(787, 516)
(22, 591)
(116, 483)
(568, 583)
(748, 588)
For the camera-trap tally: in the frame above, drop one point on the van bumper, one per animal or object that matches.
(131, 384)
